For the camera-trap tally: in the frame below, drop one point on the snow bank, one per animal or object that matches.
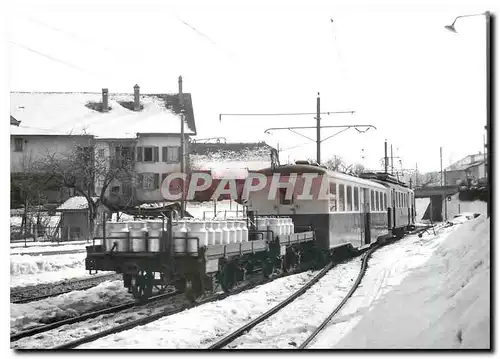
(25, 280)
(68, 305)
(28, 264)
(56, 245)
(225, 207)
(441, 304)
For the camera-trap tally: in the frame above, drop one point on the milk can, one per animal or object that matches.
(238, 234)
(225, 232)
(155, 229)
(217, 232)
(137, 237)
(119, 235)
(197, 229)
(292, 227)
(232, 231)
(262, 223)
(180, 230)
(274, 227)
(244, 231)
(210, 232)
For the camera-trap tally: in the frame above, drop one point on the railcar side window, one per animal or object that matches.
(341, 198)
(349, 198)
(381, 208)
(372, 202)
(333, 197)
(385, 201)
(377, 201)
(356, 199)
(283, 199)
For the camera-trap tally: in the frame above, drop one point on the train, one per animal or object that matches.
(278, 234)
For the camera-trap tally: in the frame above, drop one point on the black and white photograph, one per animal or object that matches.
(238, 175)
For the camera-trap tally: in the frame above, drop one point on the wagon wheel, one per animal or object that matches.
(165, 279)
(142, 285)
(227, 277)
(267, 267)
(290, 260)
(194, 286)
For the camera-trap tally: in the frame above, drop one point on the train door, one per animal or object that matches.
(365, 215)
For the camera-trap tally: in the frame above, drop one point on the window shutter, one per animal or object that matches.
(139, 154)
(140, 179)
(164, 157)
(156, 154)
(156, 180)
(178, 149)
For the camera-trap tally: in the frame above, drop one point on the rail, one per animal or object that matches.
(117, 308)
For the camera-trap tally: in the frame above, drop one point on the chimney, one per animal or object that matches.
(105, 100)
(137, 103)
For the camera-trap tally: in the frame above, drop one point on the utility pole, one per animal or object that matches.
(318, 131)
(386, 160)
(392, 162)
(181, 105)
(441, 160)
(416, 175)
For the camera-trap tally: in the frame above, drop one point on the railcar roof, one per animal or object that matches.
(321, 170)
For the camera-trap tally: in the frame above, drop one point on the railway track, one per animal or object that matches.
(81, 318)
(151, 318)
(247, 327)
(32, 293)
(148, 319)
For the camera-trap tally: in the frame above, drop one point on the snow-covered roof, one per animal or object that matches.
(54, 113)
(231, 156)
(77, 202)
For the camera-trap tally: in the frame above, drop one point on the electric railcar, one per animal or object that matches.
(342, 212)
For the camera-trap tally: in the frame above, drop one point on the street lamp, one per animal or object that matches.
(489, 90)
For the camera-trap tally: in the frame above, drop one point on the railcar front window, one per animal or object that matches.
(283, 199)
(341, 198)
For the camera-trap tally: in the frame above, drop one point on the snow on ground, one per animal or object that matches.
(442, 304)
(31, 270)
(44, 249)
(67, 305)
(20, 264)
(24, 280)
(201, 326)
(56, 245)
(292, 325)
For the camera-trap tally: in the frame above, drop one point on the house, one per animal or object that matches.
(468, 170)
(141, 130)
(74, 223)
(230, 160)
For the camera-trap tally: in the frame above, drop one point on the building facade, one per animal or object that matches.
(468, 171)
(136, 135)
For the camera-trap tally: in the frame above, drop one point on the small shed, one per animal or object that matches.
(75, 222)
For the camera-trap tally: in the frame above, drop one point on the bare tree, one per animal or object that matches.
(336, 164)
(80, 168)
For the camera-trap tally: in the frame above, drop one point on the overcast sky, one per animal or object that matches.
(421, 86)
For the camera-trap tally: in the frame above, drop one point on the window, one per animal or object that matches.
(100, 153)
(18, 144)
(381, 201)
(115, 190)
(385, 201)
(148, 154)
(356, 198)
(170, 154)
(333, 197)
(150, 181)
(341, 198)
(372, 206)
(377, 201)
(349, 198)
(283, 199)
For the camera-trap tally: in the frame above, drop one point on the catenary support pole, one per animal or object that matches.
(318, 130)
